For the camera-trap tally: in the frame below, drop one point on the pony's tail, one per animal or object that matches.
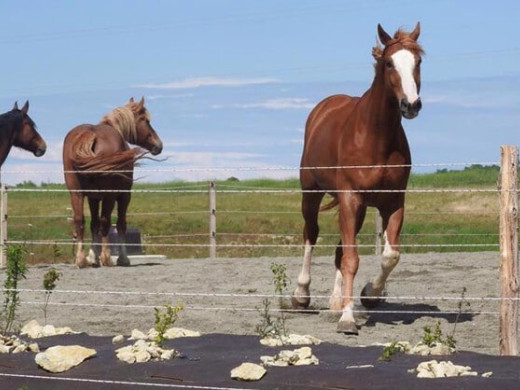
(108, 163)
(333, 203)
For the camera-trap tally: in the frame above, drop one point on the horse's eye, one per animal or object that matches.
(419, 61)
(389, 64)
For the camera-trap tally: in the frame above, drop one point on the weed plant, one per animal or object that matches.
(15, 271)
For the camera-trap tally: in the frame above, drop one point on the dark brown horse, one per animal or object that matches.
(356, 150)
(99, 164)
(18, 129)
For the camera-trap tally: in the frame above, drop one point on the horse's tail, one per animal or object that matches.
(84, 159)
(333, 203)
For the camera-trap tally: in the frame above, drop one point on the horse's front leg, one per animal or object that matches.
(392, 223)
(300, 298)
(351, 214)
(78, 220)
(122, 206)
(106, 212)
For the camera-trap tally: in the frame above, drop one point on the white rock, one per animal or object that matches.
(271, 361)
(62, 358)
(142, 356)
(292, 339)
(248, 372)
(35, 330)
(31, 329)
(5, 349)
(443, 369)
(48, 330)
(118, 339)
(298, 357)
(126, 356)
(174, 333)
(143, 351)
(20, 348)
(167, 354)
(138, 335)
(34, 347)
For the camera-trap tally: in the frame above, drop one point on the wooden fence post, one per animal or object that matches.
(3, 224)
(212, 221)
(508, 310)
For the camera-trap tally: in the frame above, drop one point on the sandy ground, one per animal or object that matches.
(114, 300)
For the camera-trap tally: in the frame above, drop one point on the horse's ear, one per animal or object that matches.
(416, 31)
(25, 107)
(383, 35)
(141, 102)
(131, 99)
(15, 107)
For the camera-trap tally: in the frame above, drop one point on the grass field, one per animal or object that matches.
(449, 210)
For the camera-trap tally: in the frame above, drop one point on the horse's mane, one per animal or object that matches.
(403, 38)
(122, 119)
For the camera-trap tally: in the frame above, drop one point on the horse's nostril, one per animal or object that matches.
(418, 105)
(405, 105)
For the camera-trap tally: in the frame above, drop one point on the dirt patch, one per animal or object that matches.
(114, 300)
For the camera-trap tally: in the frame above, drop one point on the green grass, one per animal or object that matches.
(267, 223)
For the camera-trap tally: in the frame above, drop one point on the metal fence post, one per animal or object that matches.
(212, 221)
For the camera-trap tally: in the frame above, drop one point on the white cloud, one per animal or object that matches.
(281, 104)
(177, 96)
(196, 82)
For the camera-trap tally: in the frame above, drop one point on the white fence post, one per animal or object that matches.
(508, 307)
(212, 221)
(3, 224)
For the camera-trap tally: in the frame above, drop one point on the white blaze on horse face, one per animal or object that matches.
(404, 63)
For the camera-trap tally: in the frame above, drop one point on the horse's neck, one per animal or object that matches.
(6, 137)
(382, 109)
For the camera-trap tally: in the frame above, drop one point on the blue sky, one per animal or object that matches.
(229, 84)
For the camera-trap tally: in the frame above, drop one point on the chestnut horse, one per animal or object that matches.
(99, 164)
(18, 129)
(356, 150)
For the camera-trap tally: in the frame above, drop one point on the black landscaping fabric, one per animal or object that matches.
(206, 362)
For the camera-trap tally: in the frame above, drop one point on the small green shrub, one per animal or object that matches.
(15, 271)
(165, 320)
(49, 284)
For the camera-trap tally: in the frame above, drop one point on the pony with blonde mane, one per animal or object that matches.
(355, 149)
(99, 164)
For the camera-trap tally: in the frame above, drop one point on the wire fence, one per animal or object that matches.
(254, 221)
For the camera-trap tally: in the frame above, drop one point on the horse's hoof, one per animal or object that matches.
(82, 264)
(368, 301)
(122, 261)
(300, 302)
(347, 327)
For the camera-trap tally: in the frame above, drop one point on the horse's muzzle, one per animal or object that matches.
(157, 148)
(410, 110)
(40, 150)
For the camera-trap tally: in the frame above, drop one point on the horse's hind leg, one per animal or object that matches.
(95, 248)
(392, 223)
(310, 209)
(76, 201)
(106, 211)
(122, 206)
